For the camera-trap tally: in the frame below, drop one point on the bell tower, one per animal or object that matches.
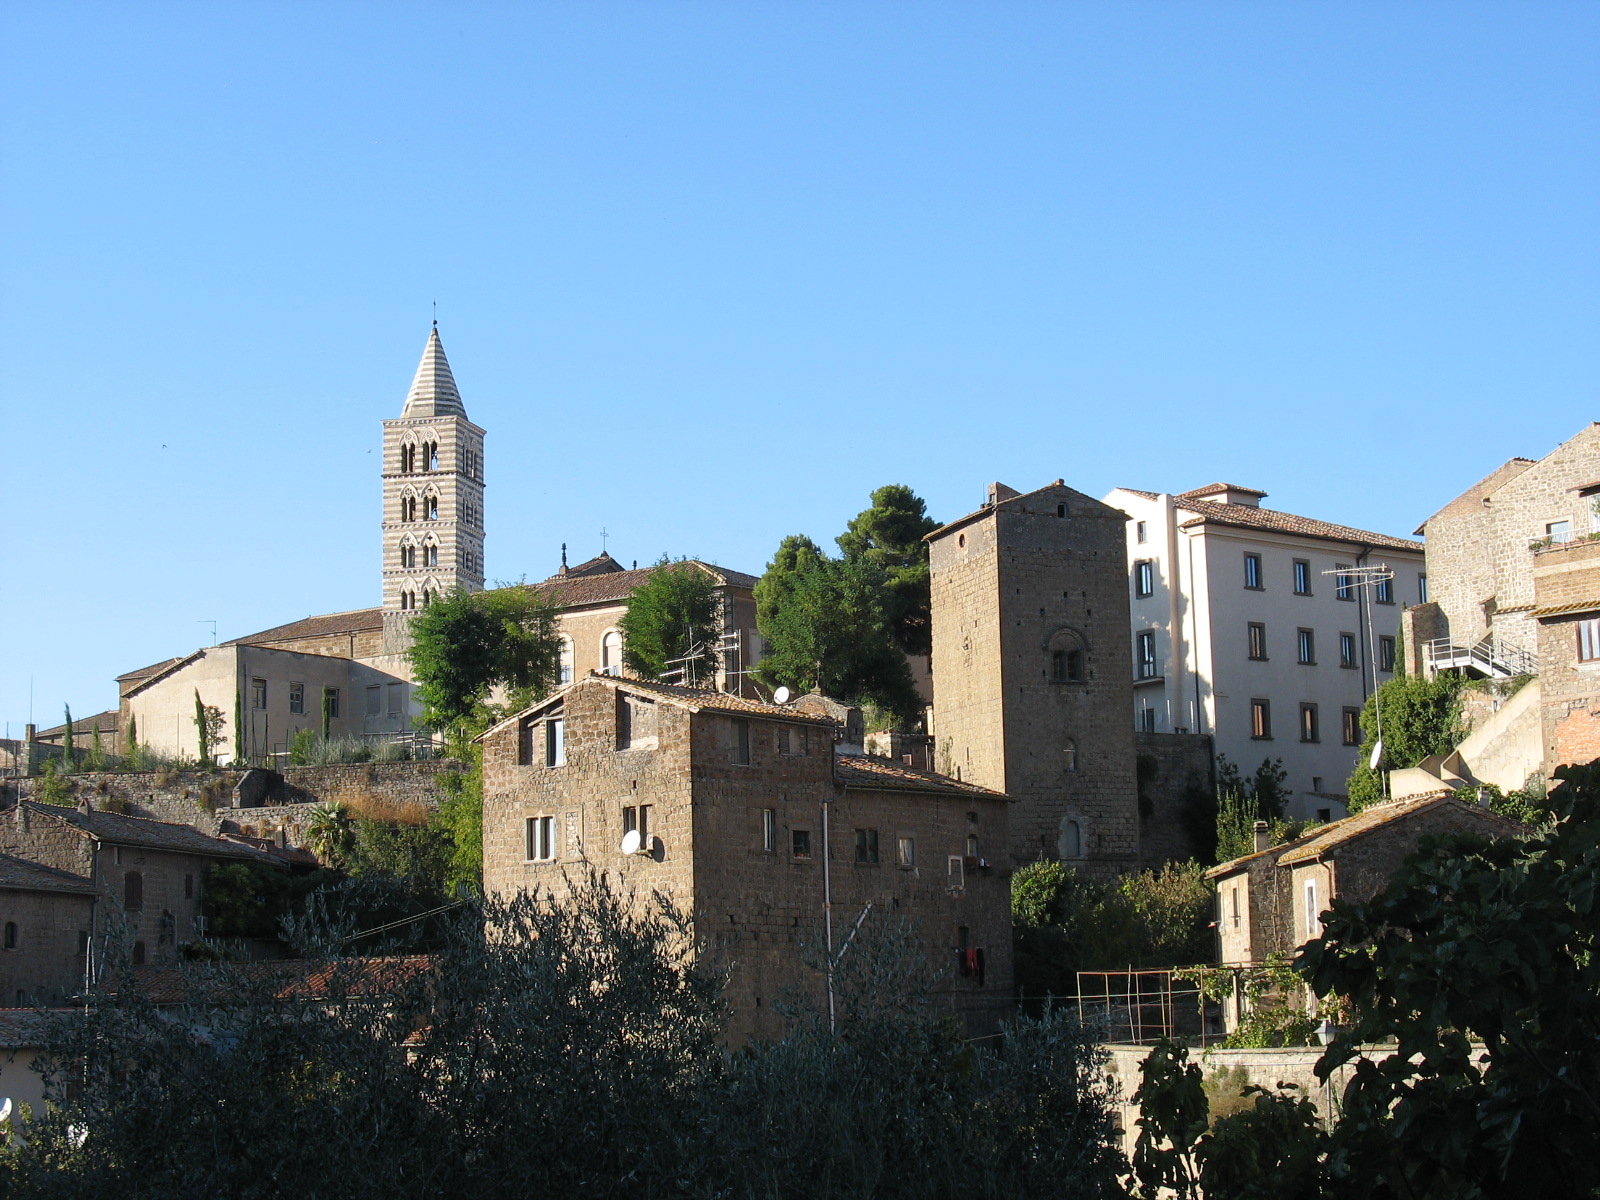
(432, 498)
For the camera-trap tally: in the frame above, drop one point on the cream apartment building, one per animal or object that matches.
(1239, 632)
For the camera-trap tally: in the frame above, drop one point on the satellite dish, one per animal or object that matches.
(781, 696)
(5, 1110)
(1377, 755)
(631, 841)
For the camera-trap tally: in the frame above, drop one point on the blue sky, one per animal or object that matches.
(709, 273)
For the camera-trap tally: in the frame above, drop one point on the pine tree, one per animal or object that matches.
(672, 617)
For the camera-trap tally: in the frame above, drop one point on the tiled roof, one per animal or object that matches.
(600, 564)
(1139, 492)
(1244, 516)
(282, 979)
(1213, 489)
(153, 669)
(433, 390)
(358, 620)
(1558, 610)
(31, 1028)
(610, 587)
(1240, 863)
(1472, 499)
(142, 831)
(871, 771)
(1320, 841)
(18, 874)
(1059, 484)
(105, 722)
(703, 698)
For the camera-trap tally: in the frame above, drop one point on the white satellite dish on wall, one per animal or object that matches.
(631, 842)
(5, 1110)
(781, 696)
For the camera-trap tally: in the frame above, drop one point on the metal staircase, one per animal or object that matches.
(1489, 659)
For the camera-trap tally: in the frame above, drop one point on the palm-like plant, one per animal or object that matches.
(328, 832)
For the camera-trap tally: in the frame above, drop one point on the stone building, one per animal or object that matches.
(45, 918)
(146, 873)
(1237, 630)
(744, 814)
(1030, 683)
(1514, 597)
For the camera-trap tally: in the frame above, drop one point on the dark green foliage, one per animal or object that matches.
(1492, 942)
(97, 751)
(245, 900)
(327, 713)
(207, 727)
(67, 759)
(466, 643)
(1063, 923)
(562, 1048)
(131, 743)
(241, 750)
(303, 748)
(671, 616)
(888, 538)
(460, 818)
(1421, 716)
(52, 788)
(1236, 820)
(418, 856)
(796, 555)
(828, 632)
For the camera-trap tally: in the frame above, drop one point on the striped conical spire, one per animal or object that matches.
(433, 391)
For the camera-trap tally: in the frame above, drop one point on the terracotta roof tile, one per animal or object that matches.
(106, 722)
(1243, 516)
(142, 831)
(704, 698)
(610, 587)
(871, 771)
(359, 620)
(1320, 841)
(1213, 489)
(1559, 610)
(30, 1028)
(283, 979)
(152, 669)
(21, 875)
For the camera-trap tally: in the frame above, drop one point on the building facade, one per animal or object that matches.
(1029, 623)
(1244, 626)
(746, 817)
(45, 919)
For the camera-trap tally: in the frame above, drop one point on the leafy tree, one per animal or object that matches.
(240, 748)
(52, 788)
(460, 818)
(827, 631)
(465, 644)
(1421, 717)
(208, 721)
(888, 538)
(417, 856)
(672, 614)
(328, 831)
(245, 900)
(97, 751)
(327, 713)
(795, 555)
(131, 745)
(1473, 941)
(1236, 819)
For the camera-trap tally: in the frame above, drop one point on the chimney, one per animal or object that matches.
(1263, 836)
(30, 733)
(999, 492)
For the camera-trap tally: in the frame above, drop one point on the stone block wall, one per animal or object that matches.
(1567, 577)
(46, 965)
(1172, 768)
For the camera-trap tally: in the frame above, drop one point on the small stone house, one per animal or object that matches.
(150, 872)
(747, 817)
(1272, 901)
(45, 917)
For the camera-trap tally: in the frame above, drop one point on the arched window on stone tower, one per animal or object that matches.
(1070, 843)
(1069, 754)
(430, 553)
(408, 600)
(430, 507)
(408, 508)
(430, 456)
(408, 554)
(408, 458)
(1068, 657)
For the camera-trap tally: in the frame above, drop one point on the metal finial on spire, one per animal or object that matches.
(563, 554)
(436, 314)
(603, 536)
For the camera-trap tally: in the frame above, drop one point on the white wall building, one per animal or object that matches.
(1237, 632)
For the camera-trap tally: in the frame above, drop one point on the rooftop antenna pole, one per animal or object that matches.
(213, 625)
(603, 536)
(436, 314)
(1367, 578)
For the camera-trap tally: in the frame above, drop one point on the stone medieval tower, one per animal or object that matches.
(432, 498)
(1032, 677)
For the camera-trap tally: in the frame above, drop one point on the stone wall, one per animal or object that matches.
(1567, 590)
(1172, 769)
(206, 798)
(46, 965)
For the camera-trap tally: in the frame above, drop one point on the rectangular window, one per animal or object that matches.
(1302, 577)
(1146, 654)
(188, 887)
(783, 739)
(1252, 571)
(1347, 650)
(1306, 646)
(769, 830)
(397, 699)
(906, 855)
(800, 841)
(1235, 891)
(741, 743)
(258, 693)
(1385, 654)
(1559, 531)
(866, 845)
(297, 697)
(1147, 720)
(330, 701)
(1352, 727)
(1313, 910)
(555, 742)
(1589, 640)
(374, 701)
(1144, 577)
(1261, 720)
(1258, 640)
(541, 839)
(1422, 589)
(955, 872)
(1344, 586)
(1140, 532)
(1384, 591)
(1308, 724)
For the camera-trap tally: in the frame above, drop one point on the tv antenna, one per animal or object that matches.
(1350, 579)
(213, 625)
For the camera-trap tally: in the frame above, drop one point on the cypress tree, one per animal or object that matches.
(327, 713)
(200, 728)
(238, 726)
(131, 746)
(66, 741)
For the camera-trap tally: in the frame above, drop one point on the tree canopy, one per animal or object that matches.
(1421, 716)
(672, 616)
(888, 538)
(465, 644)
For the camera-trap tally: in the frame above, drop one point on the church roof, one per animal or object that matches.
(433, 391)
(574, 590)
(360, 620)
